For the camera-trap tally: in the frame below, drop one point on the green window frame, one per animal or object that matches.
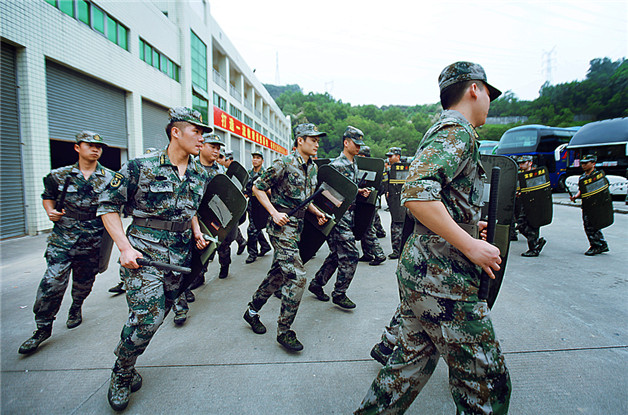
(123, 36)
(148, 51)
(67, 7)
(199, 62)
(112, 29)
(98, 19)
(142, 45)
(201, 105)
(52, 2)
(83, 12)
(155, 58)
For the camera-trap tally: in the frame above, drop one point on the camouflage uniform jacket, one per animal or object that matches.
(212, 170)
(248, 191)
(447, 168)
(350, 171)
(149, 187)
(291, 180)
(82, 198)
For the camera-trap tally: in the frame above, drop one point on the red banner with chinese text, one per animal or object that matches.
(235, 126)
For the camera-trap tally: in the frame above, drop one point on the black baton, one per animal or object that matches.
(306, 201)
(490, 228)
(163, 265)
(61, 202)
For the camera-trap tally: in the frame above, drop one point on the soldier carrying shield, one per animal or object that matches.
(70, 198)
(531, 233)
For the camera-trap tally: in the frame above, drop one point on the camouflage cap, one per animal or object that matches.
(210, 138)
(588, 158)
(465, 71)
(393, 150)
(188, 115)
(365, 151)
(355, 134)
(89, 137)
(523, 159)
(229, 154)
(150, 150)
(308, 130)
(257, 153)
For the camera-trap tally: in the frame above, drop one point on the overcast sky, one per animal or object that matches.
(391, 52)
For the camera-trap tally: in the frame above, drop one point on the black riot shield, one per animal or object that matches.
(321, 162)
(397, 176)
(337, 195)
(106, 245)
(220, 210)
(259, 215)
(370, 172)
(597, 203)
(505, 211)
(536, 196)
(240, 177)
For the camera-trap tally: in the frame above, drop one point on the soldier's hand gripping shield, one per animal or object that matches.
(597, 203)
(338, 192)
(370, 173)
(240, 177)
(220, 210)
(505, 209)
(397, 177)
(536, 196)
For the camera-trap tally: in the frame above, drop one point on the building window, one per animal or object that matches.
(258, 127)
(220, 102)
(248, 120)
(158, 60)
(199, 63)
(93, 16)
(201, 105)
(236, 112)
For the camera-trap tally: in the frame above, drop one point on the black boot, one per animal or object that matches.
(74, 317)
(224, 271)
(39, 335)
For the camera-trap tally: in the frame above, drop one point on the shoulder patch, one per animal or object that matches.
(116, 181)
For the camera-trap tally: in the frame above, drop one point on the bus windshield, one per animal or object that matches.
(520, 141)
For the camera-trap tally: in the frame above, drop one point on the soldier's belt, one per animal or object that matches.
(80, 215)
(299, 214)
(164, 225)
(472, 230)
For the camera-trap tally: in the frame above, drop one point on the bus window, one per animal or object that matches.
(521, 141)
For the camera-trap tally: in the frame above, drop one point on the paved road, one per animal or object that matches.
(561, 319)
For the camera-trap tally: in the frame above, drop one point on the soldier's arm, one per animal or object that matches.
(49, 198)
(201, 243)
(278, 217)
(322, 218)
(434, 215)
(53, 214)
(128, 255)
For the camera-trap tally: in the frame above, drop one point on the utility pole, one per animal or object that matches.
(548, 65)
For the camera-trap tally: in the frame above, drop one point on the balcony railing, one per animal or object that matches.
(235, 93)
(220, 80)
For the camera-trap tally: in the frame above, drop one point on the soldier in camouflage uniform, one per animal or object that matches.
(74, 244)
(373, 252)
(596, 239)
(343, 252)
(225, 251)
(291, 179)
(161, 191)
(441, 264)
(396, 228)
(254, 235)
(531, 233)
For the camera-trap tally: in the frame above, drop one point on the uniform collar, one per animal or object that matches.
(458, 116)
(300, 159)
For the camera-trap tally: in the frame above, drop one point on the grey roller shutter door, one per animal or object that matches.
(77, 102)
(154, 121)
(12, 212)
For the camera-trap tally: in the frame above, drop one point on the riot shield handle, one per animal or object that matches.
(163, 265)
(61, 201)
(490, 228)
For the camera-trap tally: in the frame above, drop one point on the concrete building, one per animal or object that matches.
(115, 67)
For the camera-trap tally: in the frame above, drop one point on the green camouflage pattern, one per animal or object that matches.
(447, 168)
(343, 251)
(73, 245)
(462, 333)
(150, 187)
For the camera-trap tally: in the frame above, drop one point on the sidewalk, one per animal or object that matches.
(563, 199)
(561, 320)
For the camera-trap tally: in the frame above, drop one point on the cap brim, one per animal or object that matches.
(358, 142)
(494, 92)
(92, 142)
(318, 134)
(205, 127)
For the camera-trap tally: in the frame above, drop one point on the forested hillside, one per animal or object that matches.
(602, 94)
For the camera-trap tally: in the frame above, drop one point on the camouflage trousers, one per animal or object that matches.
(529, 232)
(255, 236)
(370, 244)
(224, 250)
(377, 223)
(181, 303)
(83, 265)
(396, 231)
(286, 272)
(239, 238)
(594, 235)
(462, 332)
(343, 256)
(391, 331)
(150, 293)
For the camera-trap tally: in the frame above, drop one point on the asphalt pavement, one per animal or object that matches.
(561, 319)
